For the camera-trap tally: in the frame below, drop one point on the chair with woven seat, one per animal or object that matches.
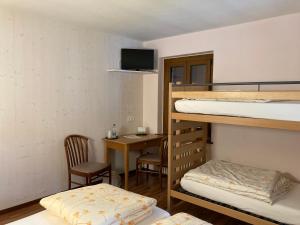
(159, 160)
(76, 147)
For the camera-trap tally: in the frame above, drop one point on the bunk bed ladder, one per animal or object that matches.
(187, 147)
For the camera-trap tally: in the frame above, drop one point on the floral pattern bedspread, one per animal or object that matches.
(181, 219)
(98, 205)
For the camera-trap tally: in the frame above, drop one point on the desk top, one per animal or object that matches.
(126, 139)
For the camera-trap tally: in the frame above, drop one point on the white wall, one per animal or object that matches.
(53, 82)
(150, 106)
(262, 50)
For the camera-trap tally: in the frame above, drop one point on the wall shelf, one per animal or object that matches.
(133, 71)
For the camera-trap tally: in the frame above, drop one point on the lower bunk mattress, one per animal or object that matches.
(46, 218)
(277, 110)
(285, 210)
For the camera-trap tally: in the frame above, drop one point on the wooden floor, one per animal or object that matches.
(149, 188)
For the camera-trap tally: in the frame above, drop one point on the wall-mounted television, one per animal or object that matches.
(137, 59)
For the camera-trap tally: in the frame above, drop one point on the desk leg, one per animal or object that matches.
(126, 168)
(106, 156)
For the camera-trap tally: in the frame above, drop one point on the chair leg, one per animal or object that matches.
(69, 181)
(137, 172)
(109, 175)
(147, 174)
(160, 176)
(87, 181)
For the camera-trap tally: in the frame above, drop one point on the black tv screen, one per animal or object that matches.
(137, 59)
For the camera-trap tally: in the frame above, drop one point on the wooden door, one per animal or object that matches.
(185, 70)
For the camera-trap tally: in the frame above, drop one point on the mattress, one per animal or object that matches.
(285, 210)
(277, 110)
(46, 218)
(182, 219)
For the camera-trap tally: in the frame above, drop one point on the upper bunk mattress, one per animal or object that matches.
(277, 110)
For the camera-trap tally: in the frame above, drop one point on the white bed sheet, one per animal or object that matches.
(285, 210)
(46, 218)
(281, 110)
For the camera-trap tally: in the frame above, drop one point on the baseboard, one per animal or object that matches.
(133, 172)
(14, 208)
(10, 209)
(25, 204)
(130, 173)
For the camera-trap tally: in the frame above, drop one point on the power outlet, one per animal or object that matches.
(130, 118)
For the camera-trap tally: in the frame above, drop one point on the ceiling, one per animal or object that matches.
(153, 19)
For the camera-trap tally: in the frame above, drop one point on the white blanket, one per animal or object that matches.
(101, 204)
(181, 219)
(260, 184)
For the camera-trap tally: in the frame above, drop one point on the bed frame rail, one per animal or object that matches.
(239, 95)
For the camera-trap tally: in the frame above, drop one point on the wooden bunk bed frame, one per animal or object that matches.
(187, 135)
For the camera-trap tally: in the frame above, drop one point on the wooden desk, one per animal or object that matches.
(125, 145)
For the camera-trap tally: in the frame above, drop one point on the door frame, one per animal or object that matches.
(184, 61)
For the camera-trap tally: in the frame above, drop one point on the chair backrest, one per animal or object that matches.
(164, 151)
(76, 147)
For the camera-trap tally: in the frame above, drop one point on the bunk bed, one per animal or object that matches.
(187, 133)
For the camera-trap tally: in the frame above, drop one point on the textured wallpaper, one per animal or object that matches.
(53, 82)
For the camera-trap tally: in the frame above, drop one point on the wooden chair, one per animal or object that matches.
(159, 160)
(76, 147)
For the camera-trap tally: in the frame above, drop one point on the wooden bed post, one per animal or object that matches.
(170, 146)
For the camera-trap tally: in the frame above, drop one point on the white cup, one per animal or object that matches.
(109, 134)
(141, 130)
